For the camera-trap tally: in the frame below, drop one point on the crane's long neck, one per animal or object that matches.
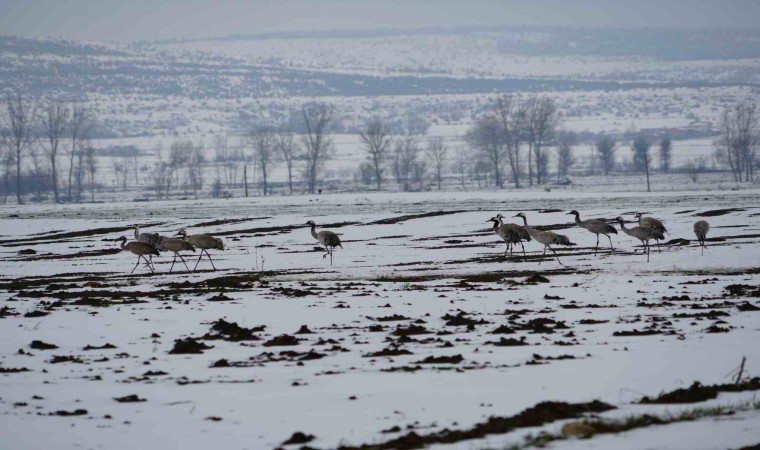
(137, 231)
(577, 219)
(622, 225)
(314, 232)
(496, 224)
(123, 243)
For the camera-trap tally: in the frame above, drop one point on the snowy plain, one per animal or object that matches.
(389, 277)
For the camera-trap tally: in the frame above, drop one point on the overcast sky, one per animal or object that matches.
(131, 20)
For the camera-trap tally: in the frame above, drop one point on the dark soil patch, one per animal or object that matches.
(188, 346)
(27, 251)
(85, 254)
(636, 333)
(508, 342)
(57, 359)
(410, 330)
(105, 346)
(129, 399)
(231, 331)
(742, 290)
(591, 321)
(503, 329)
(282, 340)
(404, 218)
(455, 359)
(390, 351)
(299, 438)
(698, 392)
(76, 412)
(214, 223)
(39, 345)
(536, 278)
(747, 306)
(33, 314)
(538, 415)
(461, 319)
(391, 318)
(718, 212)
(13, 369)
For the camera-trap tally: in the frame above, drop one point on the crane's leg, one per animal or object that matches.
(597, 244)
(183, 262)
(173, 261)
(523, 247)
(331, 255)
(658, 246)
(211, 260)
(646, 249)
(542, 256)
(703, 247)
(138, 263)
(148, 264)
(556, 256)
(199, 260)
(327, 252)
(611, 249)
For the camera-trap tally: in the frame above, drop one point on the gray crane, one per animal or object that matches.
(656, 226)
(140, 249)
(509, 233)
(175, 246)
(545, 237)
(327, 238)
(147, 238)
(701, 228)
(203, 242)
(595, 226)
(640, 233)
(522, 234)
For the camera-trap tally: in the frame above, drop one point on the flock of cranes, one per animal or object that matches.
(147, 245)
(648, 229)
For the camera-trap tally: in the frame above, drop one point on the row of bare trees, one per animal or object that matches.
(45, 132)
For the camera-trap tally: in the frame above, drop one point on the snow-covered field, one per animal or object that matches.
(427, 290)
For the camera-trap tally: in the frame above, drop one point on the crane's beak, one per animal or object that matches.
(516, 215)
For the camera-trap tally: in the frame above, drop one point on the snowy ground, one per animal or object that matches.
(76, 292)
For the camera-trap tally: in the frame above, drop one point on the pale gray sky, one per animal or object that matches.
(131, 20)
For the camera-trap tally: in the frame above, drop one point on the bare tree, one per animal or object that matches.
(179, 154)
(740, 139)
(194, 163)
(264, 143)
(606, 147)
(437, 151)
(78, 129)
(288, 149)
(21, 121)
(462, 163)
(54, 123)
(37, 171)
(91, 165)
(565, 159)
(695, 167)
(486, 136)
(7, 158)
(666, 153)
(317, 119)
(540, 124)
(80, 169)
(510, 116)
(376, 138)
(406, 152)
(640, 146)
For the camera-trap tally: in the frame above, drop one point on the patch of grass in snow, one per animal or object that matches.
(588, 428)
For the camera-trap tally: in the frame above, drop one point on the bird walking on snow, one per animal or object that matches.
(545, 237)
(141, 249)
(327, 238)
(655, 226)
(640, 233)
(700, 229)
(595, 226)
(203, 242)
